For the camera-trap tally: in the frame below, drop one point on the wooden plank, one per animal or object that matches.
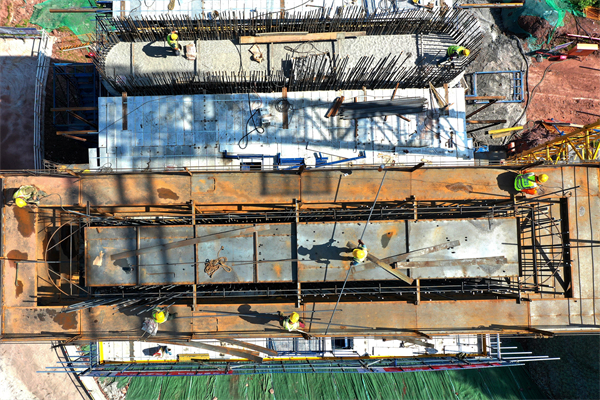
(251, 346)
(285, 116)
(491, 5)
(189, 242)
(124, 100)
(76, 132)
(311, 37)
(383, 265)
(250, 355)
(335, 108)
(392, 98)
(420, 252)
(485, 97)
(486, 121)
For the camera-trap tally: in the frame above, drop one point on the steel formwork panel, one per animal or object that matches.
(323, 254)
(320, 247)
(178, 266)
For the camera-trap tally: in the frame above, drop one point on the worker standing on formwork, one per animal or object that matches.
(172, 41)
(528, 182)
(360, 253)
(291, 323)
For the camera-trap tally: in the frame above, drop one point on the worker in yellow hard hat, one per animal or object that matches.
(161, 315)
(455, 52)
(291, 323)
(527, 182)
(28, 195)
(172, 41)
(360, 253)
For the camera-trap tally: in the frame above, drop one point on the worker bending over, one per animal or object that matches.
(528, 182)
(28, 195)
(172, 41)
(455, 52)
(291, 323)
(360, 253)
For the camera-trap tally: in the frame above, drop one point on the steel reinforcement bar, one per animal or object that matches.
(309, 73)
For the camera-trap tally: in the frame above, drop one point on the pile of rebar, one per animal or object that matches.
(380, 108)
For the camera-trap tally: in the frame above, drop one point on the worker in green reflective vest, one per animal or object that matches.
(455, 52)
(172, 41)
(528, 182)
(291, 323)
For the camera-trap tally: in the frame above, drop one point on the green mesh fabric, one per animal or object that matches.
(488, 383)
(78, 23)
(553, 11)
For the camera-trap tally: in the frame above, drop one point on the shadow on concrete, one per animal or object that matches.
(157, 52)
(261, 318)
(323, 253)
(506, 182)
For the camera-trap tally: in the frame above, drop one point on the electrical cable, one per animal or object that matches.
(259, 129)
(282, 10)
(531, 94)
(309, 52)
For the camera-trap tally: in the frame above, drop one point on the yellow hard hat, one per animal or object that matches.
(466, 52)
(543, 178)
(160, 317)
(174, 36)
(359, 253)
(20, 202)
(294, 317)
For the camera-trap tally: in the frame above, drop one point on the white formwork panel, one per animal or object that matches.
(187, 120)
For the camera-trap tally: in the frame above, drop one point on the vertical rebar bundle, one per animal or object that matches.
(308, 73)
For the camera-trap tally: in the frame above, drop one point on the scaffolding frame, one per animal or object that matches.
(581, 145)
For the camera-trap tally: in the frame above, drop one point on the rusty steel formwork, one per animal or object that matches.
(46, 294)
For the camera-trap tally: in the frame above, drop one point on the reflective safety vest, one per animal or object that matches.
(25, 192)
(525, 181)
(287, 324)
(171, 42)
(452, 50)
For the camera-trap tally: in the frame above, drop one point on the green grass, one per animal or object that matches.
(23, 24)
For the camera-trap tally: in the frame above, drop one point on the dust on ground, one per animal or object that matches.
(19, 377)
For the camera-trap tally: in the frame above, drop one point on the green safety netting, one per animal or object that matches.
(553, 11)
(78, 23)
(506, 383)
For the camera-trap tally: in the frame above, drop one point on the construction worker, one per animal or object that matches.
(291, 323)
(28, 195)
(161, 315)
(528, 182)
(360, 253)
(172, 41)
(455, 51)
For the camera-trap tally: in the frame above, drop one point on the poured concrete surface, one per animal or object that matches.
(226, 55)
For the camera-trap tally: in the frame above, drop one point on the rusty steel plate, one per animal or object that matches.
(323, 254)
